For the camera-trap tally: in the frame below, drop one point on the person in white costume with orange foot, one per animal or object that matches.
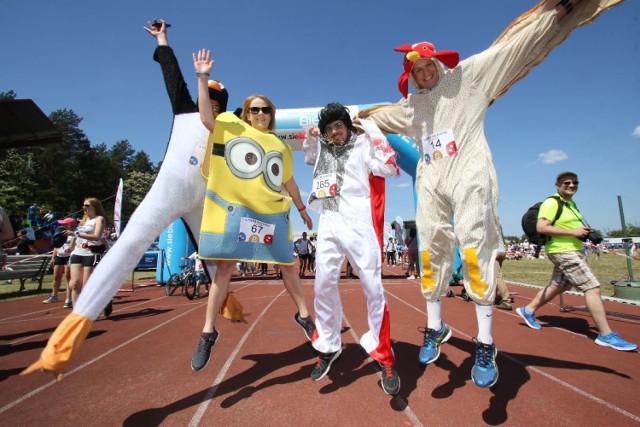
(177, 192)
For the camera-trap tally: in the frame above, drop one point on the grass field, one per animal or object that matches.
(11, 291)
(609, 267)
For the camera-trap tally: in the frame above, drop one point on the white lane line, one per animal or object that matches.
(225, 368)
(541, 372)
(92, 361)
(407, 410)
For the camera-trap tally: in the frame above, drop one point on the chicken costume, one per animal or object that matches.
(456, 177)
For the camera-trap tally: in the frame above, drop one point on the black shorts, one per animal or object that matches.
(60, 260)
(303, 256)
(86, 260)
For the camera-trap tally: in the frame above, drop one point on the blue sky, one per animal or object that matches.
(579, 110)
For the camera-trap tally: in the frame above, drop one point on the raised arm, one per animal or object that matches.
(310, 145)
(203, 65)
(181, 101)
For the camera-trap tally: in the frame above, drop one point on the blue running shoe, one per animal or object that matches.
(528, 318)
(485, 371)
(430, 350)
(613, 340)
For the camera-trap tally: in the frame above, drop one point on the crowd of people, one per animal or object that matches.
(251, 189)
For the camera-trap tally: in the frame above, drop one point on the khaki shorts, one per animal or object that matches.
(572, 271)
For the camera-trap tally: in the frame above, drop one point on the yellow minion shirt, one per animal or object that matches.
(246, 211)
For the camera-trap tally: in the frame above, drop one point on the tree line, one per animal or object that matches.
(58, 177)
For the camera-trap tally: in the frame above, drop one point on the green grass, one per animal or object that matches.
(8, 292)
(609, 267)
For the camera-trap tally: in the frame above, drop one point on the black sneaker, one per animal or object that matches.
(108, 309)
(324, 364)
(390, 379)
(306, 323)
(203, 352)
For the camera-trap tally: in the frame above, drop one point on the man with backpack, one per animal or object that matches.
(565, 249)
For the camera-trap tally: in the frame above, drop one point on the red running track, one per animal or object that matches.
(134, 369)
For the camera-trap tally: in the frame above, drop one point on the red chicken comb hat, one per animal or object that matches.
(426, 50)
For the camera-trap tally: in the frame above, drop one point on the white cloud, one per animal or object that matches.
(552, 156)
(636, 132)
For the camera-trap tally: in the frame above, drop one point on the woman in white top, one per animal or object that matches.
(89, 245)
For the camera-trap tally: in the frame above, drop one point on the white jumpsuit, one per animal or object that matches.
(346, 228)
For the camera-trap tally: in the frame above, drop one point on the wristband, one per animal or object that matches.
(203, 72)
(302, 209)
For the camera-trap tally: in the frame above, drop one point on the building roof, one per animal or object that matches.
(23, 124)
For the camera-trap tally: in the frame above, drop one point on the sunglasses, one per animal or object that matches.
(256, 110)
(338, 126)
(568, 183)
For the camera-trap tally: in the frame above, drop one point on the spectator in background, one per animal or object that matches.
(23, 246)
(311, 265)
(570, 268)
(6, 228)
(390, 250)
(412, 254)
(89, 245)
(303, 248)
(62, 249)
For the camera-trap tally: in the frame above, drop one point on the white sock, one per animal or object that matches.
(434, 321)
(484, 313)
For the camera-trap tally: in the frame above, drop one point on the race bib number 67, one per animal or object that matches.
(439, 145)
(255, 231)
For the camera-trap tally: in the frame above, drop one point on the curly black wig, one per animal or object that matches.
(332, 112)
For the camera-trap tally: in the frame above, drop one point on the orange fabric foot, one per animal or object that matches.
(231, 309)
(62, 346)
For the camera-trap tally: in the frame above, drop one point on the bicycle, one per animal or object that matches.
(189, 279)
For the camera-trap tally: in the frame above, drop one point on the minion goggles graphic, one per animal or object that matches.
(246, 160)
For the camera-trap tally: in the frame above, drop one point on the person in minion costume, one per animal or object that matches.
(246, 210)
(456, 177)
(246, 217)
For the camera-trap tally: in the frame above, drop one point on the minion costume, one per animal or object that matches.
(246, 216)
(456, 177)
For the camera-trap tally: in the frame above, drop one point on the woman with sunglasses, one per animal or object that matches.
(89, 244)
(259, 112)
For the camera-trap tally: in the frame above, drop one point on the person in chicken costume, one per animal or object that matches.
(456, 177)
(177, 192)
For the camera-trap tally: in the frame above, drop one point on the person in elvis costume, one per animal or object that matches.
(343, 163)
(177, 192)
(456, 177)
